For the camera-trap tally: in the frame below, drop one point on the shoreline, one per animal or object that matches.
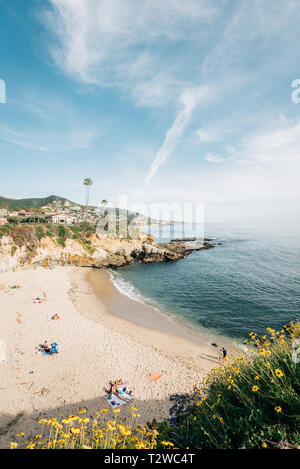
(142, 323)
(182, 327)
(96, 347)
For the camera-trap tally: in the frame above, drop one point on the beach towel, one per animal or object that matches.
(54, 349)
(36, 301)
(115, 401)
(155, 376)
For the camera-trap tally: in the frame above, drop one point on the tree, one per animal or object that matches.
(88, 183)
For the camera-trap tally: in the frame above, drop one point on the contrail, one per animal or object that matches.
(189, 99)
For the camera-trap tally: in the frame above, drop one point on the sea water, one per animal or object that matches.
(247, 283)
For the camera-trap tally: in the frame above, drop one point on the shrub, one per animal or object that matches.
(24, 235)
(251, 402)
(39, 233)
(79, 432)
(13, 250)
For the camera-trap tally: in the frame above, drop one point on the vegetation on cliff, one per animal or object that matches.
(251, 402)
(30, 234)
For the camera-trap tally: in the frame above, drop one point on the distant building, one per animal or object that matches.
(76, 208)
(60, 218)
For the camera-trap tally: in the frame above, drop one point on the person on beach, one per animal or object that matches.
(222, 354)
(46, 347)
(120, 393)
(45, 296)
(55, 317)
(90, 290)
(115, 387)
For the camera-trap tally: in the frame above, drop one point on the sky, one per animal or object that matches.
(173, 101)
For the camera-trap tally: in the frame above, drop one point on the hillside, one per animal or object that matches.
(36, 203)
(12, 204)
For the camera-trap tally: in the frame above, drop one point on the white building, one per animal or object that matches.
(61, 218)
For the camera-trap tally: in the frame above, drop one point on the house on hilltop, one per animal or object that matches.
(61, 218)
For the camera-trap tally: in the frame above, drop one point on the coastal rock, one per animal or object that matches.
(97, 252)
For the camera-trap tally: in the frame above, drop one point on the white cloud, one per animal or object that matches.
(73, 137)
(252, 20)
(205, 135)
(211, 158)
(123, 42)
(259, 178)
(21, 139)
(189, 99)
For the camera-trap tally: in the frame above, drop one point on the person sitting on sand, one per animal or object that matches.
(115, 387)
(121, 393)
(55, 317)
(46, 347)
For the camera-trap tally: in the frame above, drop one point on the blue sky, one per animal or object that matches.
(180, 100)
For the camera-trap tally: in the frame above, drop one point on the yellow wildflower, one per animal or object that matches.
(75, 430)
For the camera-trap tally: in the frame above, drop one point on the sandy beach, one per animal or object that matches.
(103, 336)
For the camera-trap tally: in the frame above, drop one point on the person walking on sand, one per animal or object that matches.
(222, 354)
(90, 290)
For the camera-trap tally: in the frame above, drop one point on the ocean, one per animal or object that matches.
(248, 283)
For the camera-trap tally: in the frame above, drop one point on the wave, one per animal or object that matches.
(208, 335)
(126, 288)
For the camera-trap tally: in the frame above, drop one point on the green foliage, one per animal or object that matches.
(23, 235)
(251, 402)
(13, 250)
(62, 242)
(5, 229)
(17, 204)
(15, 220)
(39, 232)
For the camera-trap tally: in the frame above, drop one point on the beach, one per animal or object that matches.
(103, 336)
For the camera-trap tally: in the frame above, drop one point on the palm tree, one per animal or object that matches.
(88, 183)
(102, 209)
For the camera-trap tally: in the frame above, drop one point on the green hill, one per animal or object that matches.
(35, 203)
(12, 204)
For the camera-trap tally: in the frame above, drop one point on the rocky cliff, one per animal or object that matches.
(21, 247)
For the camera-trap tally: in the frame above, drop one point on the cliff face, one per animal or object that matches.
(101, 253)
